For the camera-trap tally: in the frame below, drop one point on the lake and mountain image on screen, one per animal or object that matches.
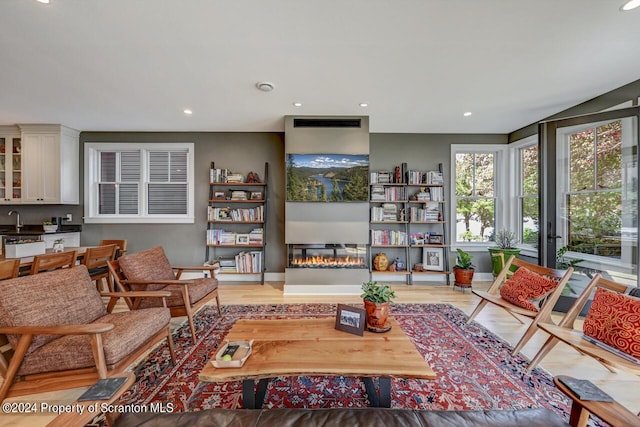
(327, 177)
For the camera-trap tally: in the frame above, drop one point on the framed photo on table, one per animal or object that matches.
(433, 259)
(351, 319)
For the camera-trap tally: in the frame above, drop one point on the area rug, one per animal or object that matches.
(474, 367)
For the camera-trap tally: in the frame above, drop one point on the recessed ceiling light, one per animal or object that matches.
(43, 1)
(188, 112)
(297, 104)
(265, 86)
(364, 104)
(467, 114)
(631, 4)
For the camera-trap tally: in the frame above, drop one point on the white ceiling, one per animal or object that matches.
(120, 65)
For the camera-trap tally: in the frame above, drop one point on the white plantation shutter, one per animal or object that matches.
(167, 191)
(139, 182)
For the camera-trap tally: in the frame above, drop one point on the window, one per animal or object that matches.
(476, 192)
(528, 214)
(139, 183)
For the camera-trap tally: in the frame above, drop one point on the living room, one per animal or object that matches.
(418, 128)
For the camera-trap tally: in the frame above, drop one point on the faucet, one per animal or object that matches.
(18, 224)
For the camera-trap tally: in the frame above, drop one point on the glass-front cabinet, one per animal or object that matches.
(10, 167)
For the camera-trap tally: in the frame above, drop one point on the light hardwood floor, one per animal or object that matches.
(622, 386)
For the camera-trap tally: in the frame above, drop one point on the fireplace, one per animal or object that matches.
(328, 256)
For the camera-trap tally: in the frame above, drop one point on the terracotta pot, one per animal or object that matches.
(377, 314)
(463, 277)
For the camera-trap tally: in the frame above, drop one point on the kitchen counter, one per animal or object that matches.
(36, 230)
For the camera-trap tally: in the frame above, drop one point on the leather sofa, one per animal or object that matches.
(369, 417)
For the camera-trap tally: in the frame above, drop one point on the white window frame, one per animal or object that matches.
(92, 152)
(515, 176)
(502, 208)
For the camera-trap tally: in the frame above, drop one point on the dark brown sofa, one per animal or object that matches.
(365, 417)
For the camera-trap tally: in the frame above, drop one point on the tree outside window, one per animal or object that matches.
(475, 196)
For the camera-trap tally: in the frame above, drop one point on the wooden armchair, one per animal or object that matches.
(150, 270)
(95, 258)
(564, 331)
(9, 268)
(62, 336)
(53, 261)
(555, 282)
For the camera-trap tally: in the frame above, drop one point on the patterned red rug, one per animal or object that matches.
(474, 367)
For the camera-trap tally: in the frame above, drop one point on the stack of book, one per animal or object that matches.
(416, 177)
(255, 236)
(388, 237)
(249, 262)
(227, 265)
(221, 237)
(243, 214)
(235, 177)
(218, 175)
(431, 212)
(377, 193)
(238, 195)
(435, 177)
(381, 177)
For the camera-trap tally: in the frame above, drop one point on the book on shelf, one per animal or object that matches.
(218, 175)
(388, 237)
(377, 193)
(435, 177)
(380, 177)
(238, 195)
(235, 177)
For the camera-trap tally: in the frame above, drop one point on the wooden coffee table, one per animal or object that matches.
(315, 347)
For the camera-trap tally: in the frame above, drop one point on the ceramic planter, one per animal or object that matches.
(377, 314)
(463, 276)
(497, 261)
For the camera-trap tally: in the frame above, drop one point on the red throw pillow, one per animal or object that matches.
(526, 287)
(614, 319)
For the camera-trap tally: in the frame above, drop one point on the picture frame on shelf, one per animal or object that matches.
(435, 239)
(242, 239)
(433, 259)
(256, 195)
(351, 319)
(220, 195)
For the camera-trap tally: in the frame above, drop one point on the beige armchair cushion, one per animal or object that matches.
(74, 351)
(150, 264)
(197, 290)
(22, 302)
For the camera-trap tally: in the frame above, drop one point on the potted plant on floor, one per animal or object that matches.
(505, 241)
(377, 301)
(464, 269)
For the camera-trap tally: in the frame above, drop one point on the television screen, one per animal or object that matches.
(327, 177)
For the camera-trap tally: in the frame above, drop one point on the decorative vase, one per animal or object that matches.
(499, 256)
(463, 276)
(377, 314)
(399, 264)
(380, 262)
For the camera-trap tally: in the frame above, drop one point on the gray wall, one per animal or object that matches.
(185, 243)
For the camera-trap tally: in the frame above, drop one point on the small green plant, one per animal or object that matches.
(464, 260)
(58, 241)
(375, 293)
(563, 263)
(505, 239)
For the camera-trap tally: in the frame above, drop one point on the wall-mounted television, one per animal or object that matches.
(327, 177)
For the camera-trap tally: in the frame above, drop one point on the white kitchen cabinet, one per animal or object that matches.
(51, 170)
(10, 165)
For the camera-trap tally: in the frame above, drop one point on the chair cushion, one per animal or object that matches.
(131, 330)
(614, 319)
(525, 288)
(197, 290)
(60, 297)
(149, 264)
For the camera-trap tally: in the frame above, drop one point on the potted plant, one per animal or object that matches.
(505, 241)
(49, 227)
(58, 245)
(377, 300)
(464, 269)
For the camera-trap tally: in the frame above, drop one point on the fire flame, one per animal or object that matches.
(320, 260)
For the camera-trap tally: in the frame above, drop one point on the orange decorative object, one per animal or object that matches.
(380, 262)
(377, 314)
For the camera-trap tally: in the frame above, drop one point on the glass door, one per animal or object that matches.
(591, 202)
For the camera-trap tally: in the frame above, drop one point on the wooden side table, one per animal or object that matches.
(610, 412)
